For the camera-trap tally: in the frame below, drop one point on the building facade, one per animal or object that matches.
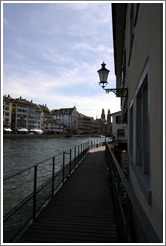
(138, 55)
(84, 124)
(45, 114)
(96, 126)
(53, 127)
(25, 114)
(7, 111)
(119, 129)
(69, 118)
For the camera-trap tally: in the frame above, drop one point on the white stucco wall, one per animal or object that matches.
(147, 48)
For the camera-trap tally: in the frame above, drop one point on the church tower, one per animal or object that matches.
(103, 115)
(109, 116)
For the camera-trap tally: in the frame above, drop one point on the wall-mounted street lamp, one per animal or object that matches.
(103, 75)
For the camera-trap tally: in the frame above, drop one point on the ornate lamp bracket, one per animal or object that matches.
(121, 92)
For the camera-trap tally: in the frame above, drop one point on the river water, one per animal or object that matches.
(20, 154)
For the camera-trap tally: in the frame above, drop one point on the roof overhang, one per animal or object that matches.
(119, 23)
(116, 113)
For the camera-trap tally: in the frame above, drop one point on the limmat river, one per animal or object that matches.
(20, 154)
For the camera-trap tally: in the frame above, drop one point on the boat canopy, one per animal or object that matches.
(7, 129)
(22, 130)
(36, 131)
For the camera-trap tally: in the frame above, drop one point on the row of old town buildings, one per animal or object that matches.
(23, 116)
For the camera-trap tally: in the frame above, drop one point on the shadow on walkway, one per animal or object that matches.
(82, 211)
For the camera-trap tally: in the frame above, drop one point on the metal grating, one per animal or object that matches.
(82, 211)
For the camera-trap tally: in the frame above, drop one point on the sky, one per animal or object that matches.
(52, 51)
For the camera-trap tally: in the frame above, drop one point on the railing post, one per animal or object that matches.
(63, 171)
(53, 174)
(34, 192)
(78, 154)
(75, 157)
(81, 151)
(70, 161)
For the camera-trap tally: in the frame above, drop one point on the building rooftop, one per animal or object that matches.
(63, 111)
(44, 108)
(26, 102)
(83, 116)
(118, 112)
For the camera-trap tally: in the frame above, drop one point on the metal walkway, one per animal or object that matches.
(82, 211)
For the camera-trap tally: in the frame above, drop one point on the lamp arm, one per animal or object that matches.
(121, 92)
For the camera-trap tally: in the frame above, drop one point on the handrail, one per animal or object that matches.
(28, 168)
(39, 163)
(149, 231)
(48, 187)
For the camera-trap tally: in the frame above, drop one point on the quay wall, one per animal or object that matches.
(37, 136)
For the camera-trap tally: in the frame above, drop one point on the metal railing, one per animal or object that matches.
(127, 205)
(29, 191)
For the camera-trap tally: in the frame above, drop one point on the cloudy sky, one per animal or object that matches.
(52, 51)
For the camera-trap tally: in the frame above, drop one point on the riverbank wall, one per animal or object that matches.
(38, 136)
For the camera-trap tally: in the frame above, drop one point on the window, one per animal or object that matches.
(118, 119)
(142, 147)
(142, 158)
(120, 133)
(22, 110)
(6, 108)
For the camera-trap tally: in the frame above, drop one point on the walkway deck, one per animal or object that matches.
(82, 211)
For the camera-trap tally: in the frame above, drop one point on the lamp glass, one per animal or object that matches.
(103, 75)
